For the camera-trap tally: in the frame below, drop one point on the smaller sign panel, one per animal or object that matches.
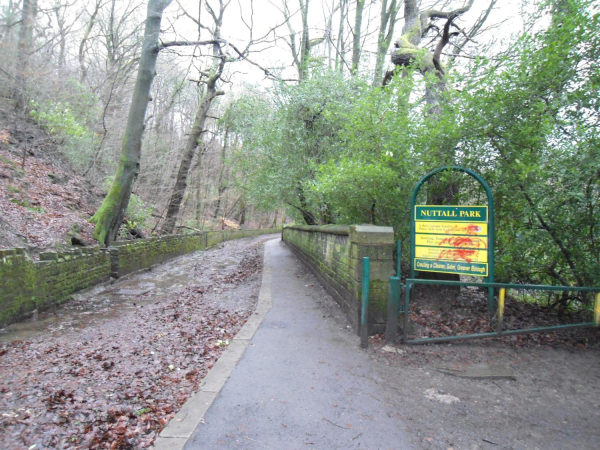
(475, 269)
(473, 229)
(451, 254)
(442, 240)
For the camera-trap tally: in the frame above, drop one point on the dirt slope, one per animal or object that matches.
(43, 203)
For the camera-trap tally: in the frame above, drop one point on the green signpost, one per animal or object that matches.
(460, 240)
(453, 239)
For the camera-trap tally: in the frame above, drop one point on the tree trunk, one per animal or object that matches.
(25, 38)
(195, 136)
(194, 139)
(220, 185)
(109, 216)
(339, 57)
(86, 35)
(408, 51)
(384, 38)
(305, 44)
(192, 143)
(360, 6)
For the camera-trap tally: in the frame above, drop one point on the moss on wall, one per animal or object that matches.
(27, 285)
(335, 256)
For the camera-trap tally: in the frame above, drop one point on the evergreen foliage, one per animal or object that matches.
(528, 121)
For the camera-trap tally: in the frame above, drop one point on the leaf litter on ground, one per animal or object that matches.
(118, 382)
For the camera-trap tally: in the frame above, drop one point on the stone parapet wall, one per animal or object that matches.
(335, 255)
(131, 256)
(27, 285)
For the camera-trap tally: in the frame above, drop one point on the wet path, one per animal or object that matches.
(112, 300)
(111, 368)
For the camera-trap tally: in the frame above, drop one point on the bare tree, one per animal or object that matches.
(408, 50)
(356, 36)
(209, 80)
(300, 48)
(109, 216)
(86, 36)
(221, 183)
(340, 51)
(387, 22)
(64, 25)
(29, 10)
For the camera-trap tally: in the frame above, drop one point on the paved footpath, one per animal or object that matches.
(291, 380)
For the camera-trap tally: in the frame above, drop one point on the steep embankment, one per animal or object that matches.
(43, 203)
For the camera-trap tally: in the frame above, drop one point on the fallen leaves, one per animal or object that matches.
(118, 382)
(467, 313)
(43, 211)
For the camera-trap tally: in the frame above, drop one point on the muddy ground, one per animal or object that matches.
(541, 393)
(533, 392)
(111, 368)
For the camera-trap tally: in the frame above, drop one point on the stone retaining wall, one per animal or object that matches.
(334, 254)
(27, 285)
(131, 256)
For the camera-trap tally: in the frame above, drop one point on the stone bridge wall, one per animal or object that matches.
(27, 285)
(334, 254)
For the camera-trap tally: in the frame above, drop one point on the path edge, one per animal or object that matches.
(177, 432)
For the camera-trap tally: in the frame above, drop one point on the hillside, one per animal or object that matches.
(43, 203)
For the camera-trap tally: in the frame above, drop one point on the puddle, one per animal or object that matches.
(74, 315)
(224, 264)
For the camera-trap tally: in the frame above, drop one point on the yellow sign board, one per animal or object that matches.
(454, 228)
(451, 254)
(451, 239)
(444, 240)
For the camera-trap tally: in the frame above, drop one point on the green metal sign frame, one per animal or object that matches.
(455, 213)
(395, 306)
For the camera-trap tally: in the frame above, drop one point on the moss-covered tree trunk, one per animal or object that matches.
(110, 215)
(387, 23)
(410, 52)
(356, 35)
(221, 186)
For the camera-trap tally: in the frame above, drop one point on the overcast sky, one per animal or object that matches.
(274, 52)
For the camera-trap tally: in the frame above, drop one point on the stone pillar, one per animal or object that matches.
(376, 243)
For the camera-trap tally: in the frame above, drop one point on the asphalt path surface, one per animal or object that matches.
(302, 382)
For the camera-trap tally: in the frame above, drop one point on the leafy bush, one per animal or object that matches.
(67, 120)
(137, 213)
(528, 122)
